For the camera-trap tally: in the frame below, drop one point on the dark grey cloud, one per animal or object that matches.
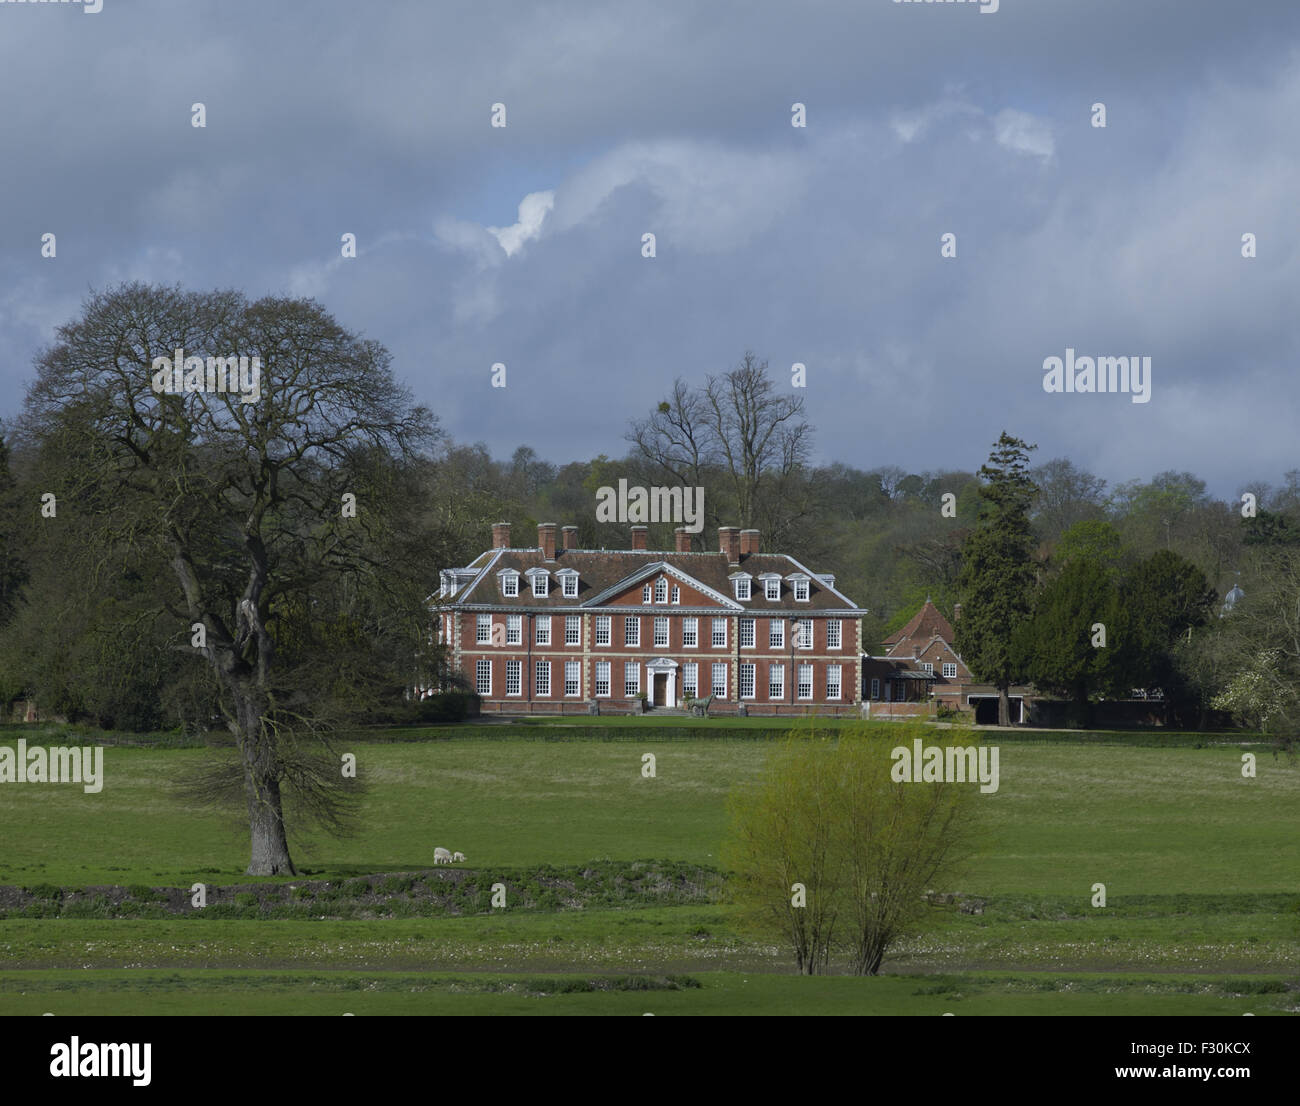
(817, 245)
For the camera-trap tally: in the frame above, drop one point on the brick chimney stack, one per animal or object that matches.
(640, 537)
(729, 543)
(501, 535)
(570, 536)
(749, 542)
(546, 539)
(682, 540)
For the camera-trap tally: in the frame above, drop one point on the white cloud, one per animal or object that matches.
(533, 210)
(1024, 133)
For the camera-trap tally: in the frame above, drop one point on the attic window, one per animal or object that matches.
(661, 590)
(771, 589)
(541, 586)
(801, 591)
(742, 587)
(510, 585)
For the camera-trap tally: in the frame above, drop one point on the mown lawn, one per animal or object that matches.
(1199, 865)
(1139, 820)
(287, 993)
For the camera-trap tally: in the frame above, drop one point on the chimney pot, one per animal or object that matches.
(546, 539)
(682, 539)
(570, 536)
(501, 535)
(640, 537)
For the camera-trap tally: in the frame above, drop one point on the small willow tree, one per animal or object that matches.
(830, 850)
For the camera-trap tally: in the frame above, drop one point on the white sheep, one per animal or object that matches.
(457, 857)
(441, 856)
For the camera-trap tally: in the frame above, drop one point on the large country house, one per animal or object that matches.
(568, 630)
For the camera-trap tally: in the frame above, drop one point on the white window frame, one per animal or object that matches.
(661, 590)
(602, 678)
(677, 594)
(631, 679)
(661, 638)
(690, 633)
(775, 682)
(748, 631)
(929, 667)
(573, 629)
(834, 681)
(691, 679)
(483, 629)
(747, 679)
(569, 586)
(481, 666)
(515, 675)
(514, 629)
(646, 590)
(541, 585)
(632, 632)
(719, 630)
(542, 677)
(772, 589)
(572, 678)
(800, 683)
(604, 624)
(543, 623)
(802, 640)
(801, 591)
(949, 670)
(776, 633)
(743, 587)
(719, 691)
(834, 634)
(510, 585)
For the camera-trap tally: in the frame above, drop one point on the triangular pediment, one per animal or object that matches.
(648, 574)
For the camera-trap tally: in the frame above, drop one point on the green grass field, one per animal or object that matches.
(1201, 867)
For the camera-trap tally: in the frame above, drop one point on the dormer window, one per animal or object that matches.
(742, 585)
(800, 583)
(541, 582)
(568, 583)
(772, 588)
(509, 583)
(661, 590)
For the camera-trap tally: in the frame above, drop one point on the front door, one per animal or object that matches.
(661, 689)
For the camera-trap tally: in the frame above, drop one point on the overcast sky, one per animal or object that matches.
(819, 245)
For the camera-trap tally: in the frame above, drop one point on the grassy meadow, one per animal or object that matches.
(1201, 868)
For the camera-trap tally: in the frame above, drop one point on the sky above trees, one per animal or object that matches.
(819, 245)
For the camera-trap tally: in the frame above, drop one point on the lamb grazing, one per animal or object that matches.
(457, 857)
(441, 856)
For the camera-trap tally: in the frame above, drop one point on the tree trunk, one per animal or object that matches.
(270, 848)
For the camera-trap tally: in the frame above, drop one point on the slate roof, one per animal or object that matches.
(600, 570)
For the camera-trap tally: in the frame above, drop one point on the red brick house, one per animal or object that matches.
(550, 629)
(926, 641)
(921, 670)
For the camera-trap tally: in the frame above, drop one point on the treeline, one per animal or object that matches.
(93, 624)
